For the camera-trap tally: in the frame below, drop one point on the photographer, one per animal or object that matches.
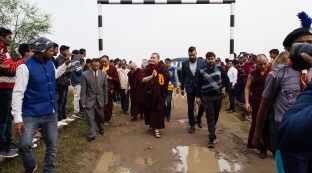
(283, 84)
(295, 131)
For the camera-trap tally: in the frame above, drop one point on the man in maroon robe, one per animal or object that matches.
(156, 78)
(113, 84)
(135, 77)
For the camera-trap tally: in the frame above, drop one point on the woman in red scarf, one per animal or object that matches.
(156, 78)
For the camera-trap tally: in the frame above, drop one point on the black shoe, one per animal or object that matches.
(192, 129)
(13, 147)
(263, 153)
(31, 169)
(89, 139)
(101, 131)
(211, 144)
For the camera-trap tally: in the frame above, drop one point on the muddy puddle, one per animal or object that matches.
(202, 160)
(109, 162)
(182, 121)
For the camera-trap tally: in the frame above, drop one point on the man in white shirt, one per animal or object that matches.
(34, 104)
(232, 73)
(123, 78)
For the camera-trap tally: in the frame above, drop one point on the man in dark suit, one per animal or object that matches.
(190, 71)
(93, 97)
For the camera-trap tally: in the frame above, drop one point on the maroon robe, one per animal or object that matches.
(256, 88)
(155, 96)
(136, 94)
(113, 85)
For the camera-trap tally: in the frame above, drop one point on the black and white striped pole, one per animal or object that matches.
(100, 29)
(232, 25)
(102, 2)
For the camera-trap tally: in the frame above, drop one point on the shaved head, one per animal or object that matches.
(133, 66)
(262, 62)
(262, 57)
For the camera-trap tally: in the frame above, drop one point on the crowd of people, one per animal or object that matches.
(34, 94)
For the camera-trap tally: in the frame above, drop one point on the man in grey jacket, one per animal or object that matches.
(93, 97)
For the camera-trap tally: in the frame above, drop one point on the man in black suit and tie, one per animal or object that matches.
(93, 97)
(190, 71)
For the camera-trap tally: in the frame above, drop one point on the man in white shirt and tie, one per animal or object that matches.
(232, 73)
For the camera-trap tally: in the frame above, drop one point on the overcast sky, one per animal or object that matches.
(133, 32)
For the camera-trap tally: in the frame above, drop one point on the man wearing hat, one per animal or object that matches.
(283, 84)
(34, 104)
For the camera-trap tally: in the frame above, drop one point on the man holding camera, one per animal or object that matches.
(62, 85)
(283, 84)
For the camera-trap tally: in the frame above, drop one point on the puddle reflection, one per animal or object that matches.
(202, 160)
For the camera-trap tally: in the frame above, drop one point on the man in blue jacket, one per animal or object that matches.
(190, 71)
(34, 104)
(295, 132)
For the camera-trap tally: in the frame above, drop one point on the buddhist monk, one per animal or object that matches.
(156, 78)
(136, 95)
(113, 84)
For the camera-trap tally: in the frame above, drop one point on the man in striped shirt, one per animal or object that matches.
(7, 80)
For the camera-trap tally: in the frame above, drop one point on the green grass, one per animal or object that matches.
(71, 145)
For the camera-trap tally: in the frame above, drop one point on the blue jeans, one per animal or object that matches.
(5, 119)
(124, 98)
(168, 105)
(62, 92)
(48, 125)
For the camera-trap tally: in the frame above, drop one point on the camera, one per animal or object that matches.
(295, 55)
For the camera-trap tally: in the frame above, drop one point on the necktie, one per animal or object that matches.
(96, 81)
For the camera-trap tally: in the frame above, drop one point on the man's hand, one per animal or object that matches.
(248, 107)
(3, 66)
(233, 87)
(68, 61)
(225, 94)
(126, 91)
(307, 58)
(198, 101)
(154, 73)
(19, 128)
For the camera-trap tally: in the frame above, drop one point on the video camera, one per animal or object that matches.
(295, 55)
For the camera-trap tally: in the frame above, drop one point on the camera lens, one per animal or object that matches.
(295, 55)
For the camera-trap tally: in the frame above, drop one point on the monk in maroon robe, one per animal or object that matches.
(135, 77)
(113, 85)
(255, 85)
(156, 78)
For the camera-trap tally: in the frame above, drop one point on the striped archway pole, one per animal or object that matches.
(103, 2)
(232, 25)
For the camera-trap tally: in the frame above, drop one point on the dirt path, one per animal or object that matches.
(127, 147)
